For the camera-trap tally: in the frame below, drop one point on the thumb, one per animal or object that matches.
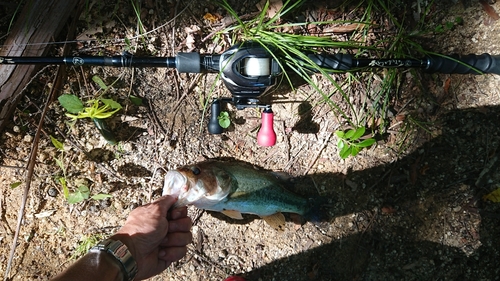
(165, 202)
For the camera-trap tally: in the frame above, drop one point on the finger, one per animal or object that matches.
(177, 239)
(172, 254)
(165, 203)
(177, 213)
(162, 264)
(180, 225)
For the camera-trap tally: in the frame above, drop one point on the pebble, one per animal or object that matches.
(52, 192)
(28, 138)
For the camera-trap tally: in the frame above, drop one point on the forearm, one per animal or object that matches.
(93, 266)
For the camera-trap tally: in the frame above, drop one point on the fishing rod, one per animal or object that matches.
(249, 69)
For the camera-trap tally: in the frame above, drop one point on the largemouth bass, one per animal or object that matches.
(233, 188)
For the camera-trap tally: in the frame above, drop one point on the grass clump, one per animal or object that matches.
(290, 49)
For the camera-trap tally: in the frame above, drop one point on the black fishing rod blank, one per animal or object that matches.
(248, 70)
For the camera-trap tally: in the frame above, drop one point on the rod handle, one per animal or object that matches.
(332, 62)
(464, 64)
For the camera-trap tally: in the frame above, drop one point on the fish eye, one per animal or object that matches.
(195, 170)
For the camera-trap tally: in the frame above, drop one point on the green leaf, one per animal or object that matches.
(65, 187)
(493, 196)
(78, 196)
(366, 143)
(84, 190)
(105, 131)
(224, 120)
(59, 163)
(101, 196)
(57, 144)
(71, 103)
(74, 198)
(345, 152)
(15, 184)
(340, 134)
(349, 134)
(355, 150)
(111, 103)
(99, 82)
(136, 100)
(358, 133)
(340, 144)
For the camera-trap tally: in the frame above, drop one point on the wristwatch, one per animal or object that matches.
(121, 253)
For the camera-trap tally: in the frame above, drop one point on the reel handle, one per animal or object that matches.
(266, 135)
(213, 124)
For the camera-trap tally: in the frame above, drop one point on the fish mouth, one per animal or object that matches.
(174, 183)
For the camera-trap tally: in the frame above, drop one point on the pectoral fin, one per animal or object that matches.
(233, 214)
(276, 221)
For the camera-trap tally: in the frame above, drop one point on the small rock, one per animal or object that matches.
(52, 192)
(28, 138)
(223, 254)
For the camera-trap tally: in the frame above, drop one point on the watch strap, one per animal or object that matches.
(121, 254)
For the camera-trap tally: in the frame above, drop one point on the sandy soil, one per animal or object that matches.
(409, 208)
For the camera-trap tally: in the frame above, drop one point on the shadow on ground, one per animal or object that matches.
(423, 216)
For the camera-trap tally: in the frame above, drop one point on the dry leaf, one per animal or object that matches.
(190, 40)
(447, 85)
(494, 196)
(274, 7)
(212, 18)
(45, 214)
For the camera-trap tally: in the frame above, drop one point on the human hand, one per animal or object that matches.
(156, 237)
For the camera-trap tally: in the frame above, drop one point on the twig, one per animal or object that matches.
(31, 168)
(187, 91)
(154, 118)
(323, 145)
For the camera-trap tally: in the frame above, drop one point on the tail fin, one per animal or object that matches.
(317, 210)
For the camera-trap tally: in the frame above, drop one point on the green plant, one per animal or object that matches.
(86, 242)
(97, 110)
(60, 162)
(224, 120)
(449, 25)
(273, 30)
(350, 142)
(290, 50)
(82, 192)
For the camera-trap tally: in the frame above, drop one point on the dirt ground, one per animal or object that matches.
(409, 208)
